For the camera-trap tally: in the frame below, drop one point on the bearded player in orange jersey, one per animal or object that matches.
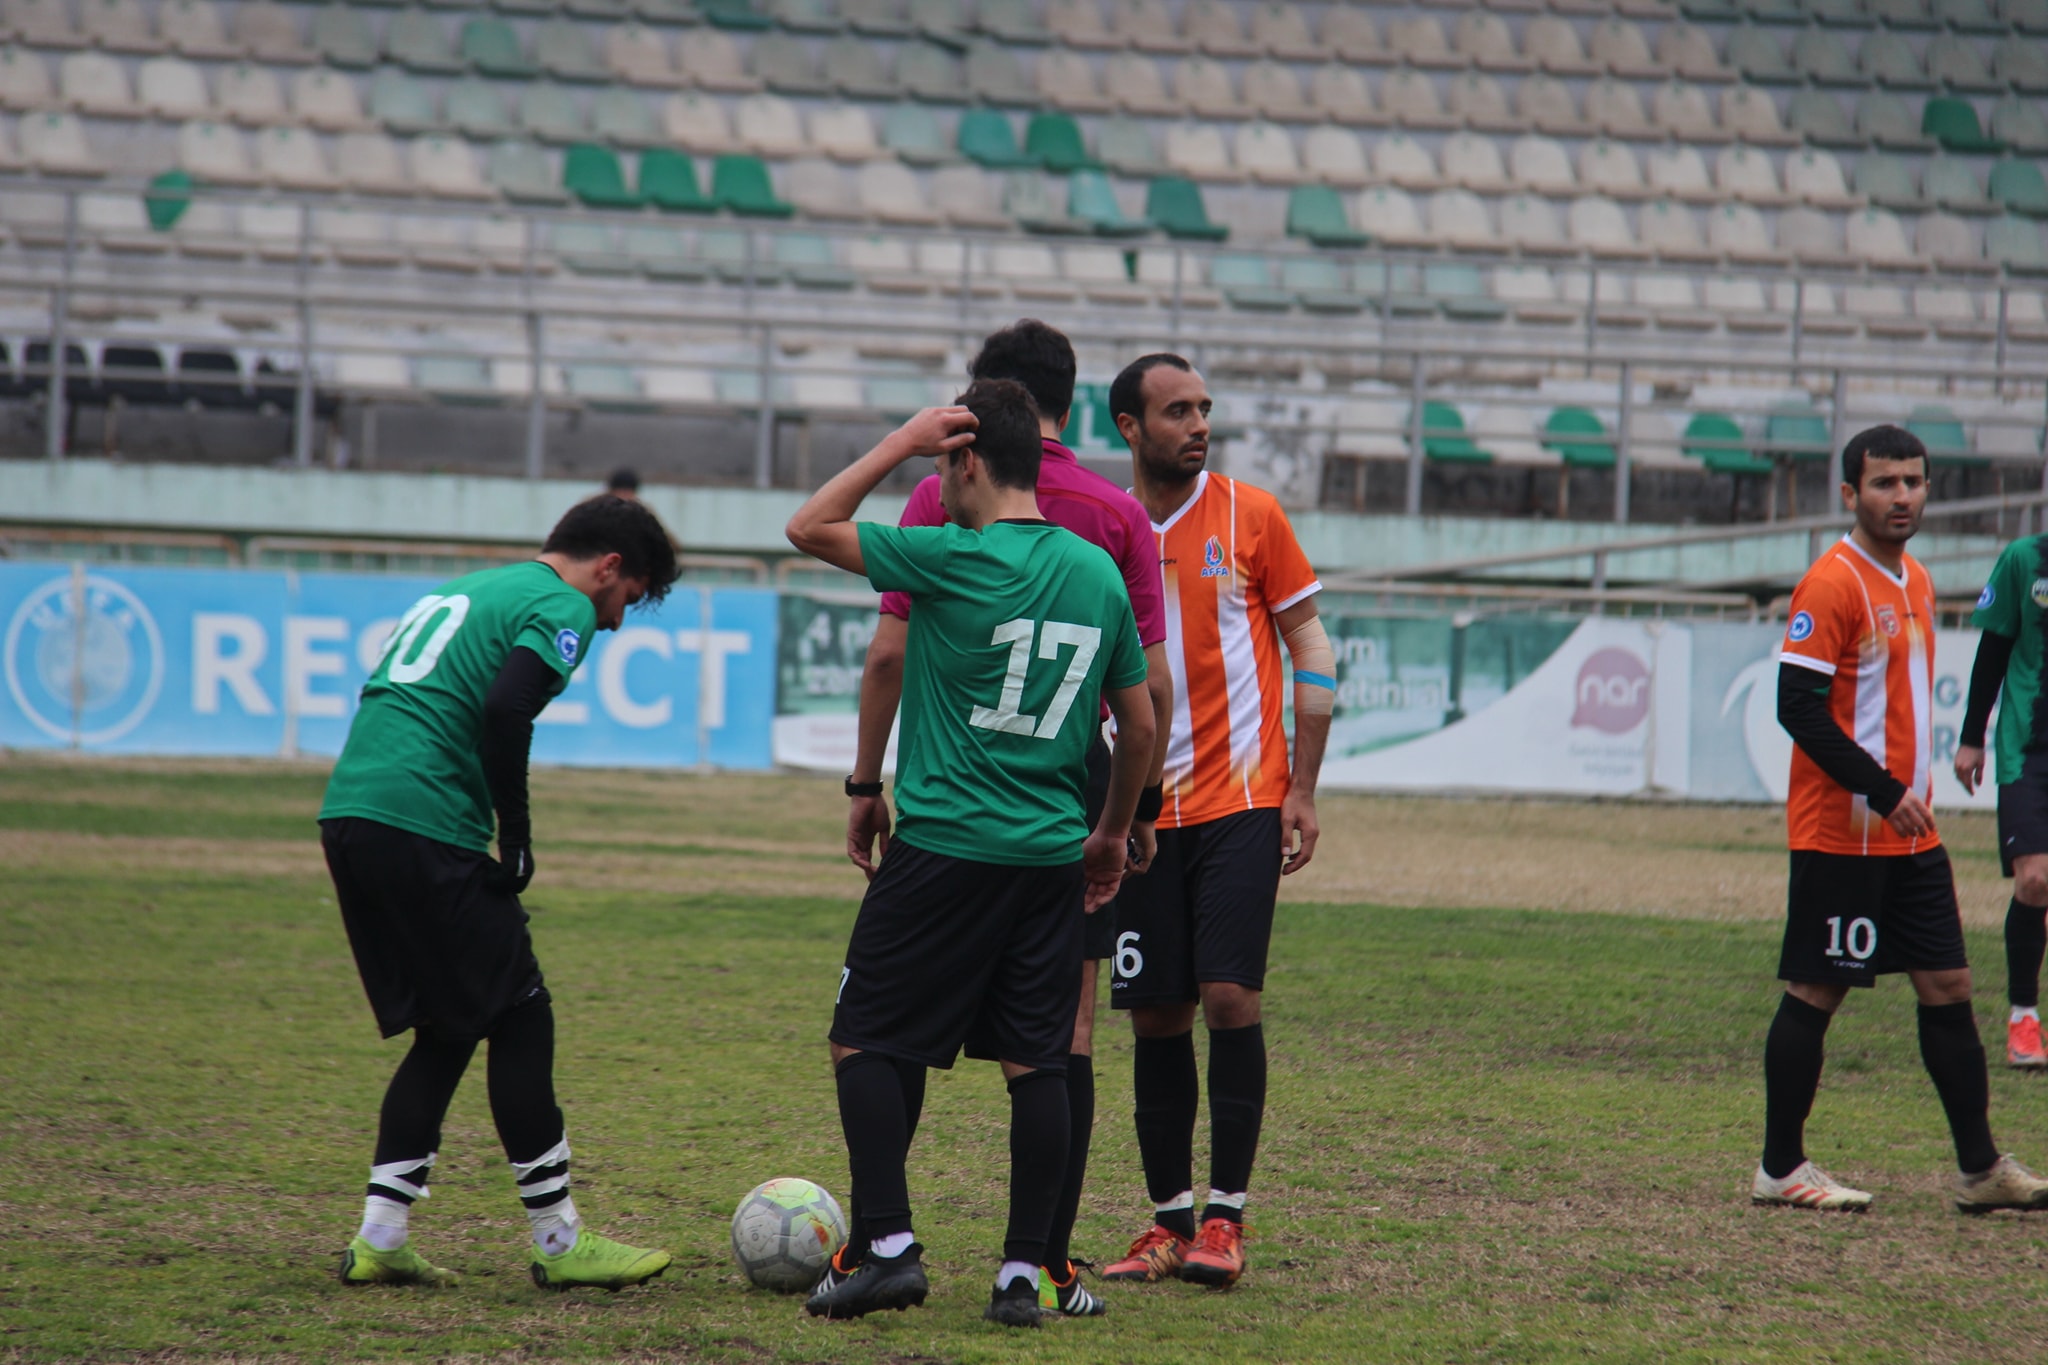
(1235, 817)
(1872, 890)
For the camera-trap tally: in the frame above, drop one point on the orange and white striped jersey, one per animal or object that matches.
(1230, 561)
(1873, 633)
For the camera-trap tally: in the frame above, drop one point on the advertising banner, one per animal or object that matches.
(234, 662)
(821, 650)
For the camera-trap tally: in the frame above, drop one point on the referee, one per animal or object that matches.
(972, 924)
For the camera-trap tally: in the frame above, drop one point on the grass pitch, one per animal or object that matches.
(1500, 1128)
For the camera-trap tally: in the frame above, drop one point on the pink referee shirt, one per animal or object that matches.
(1092, 508)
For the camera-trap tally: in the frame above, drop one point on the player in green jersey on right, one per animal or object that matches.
(437, 749)
(2012, 611)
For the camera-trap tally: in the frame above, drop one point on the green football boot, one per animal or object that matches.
(597, 1263)
(364, 1264)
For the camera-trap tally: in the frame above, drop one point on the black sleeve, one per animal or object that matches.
(522, 688)
(1803, 711)
(1987, 675)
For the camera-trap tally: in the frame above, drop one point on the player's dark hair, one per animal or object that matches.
(1035, 355)
(624, 479)
(1127, 390)
(1882, 443)
(1006, 431)
(608, 525)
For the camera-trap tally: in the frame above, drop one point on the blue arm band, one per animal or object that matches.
(1316, 679)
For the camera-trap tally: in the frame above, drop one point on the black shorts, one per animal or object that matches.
(2023, 812)
(947, 952)
(436, 947)
(1851, 919)
(1204, 912)
(1098, 931)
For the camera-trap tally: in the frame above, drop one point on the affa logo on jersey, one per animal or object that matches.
(1987, 597)
(567, 642)
(2039, 593)
(1887, 619)
(1212, 559)
(1801, 627)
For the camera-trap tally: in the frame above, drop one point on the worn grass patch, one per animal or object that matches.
(1499, 1130)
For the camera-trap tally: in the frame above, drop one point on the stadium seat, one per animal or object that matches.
(1417, 41)
(1716, 441)
(587, 248)
(1459, 291)
(1247, 282)
(2020, 124)
(1079, 23)
(1888, 121)
(1315, 212)
(1530, 291)
(1689, 51)
(1281, 30)
(1744, 174)
(355, 236)
(1951, 244)
(1822, 58)
(1738, 232)
(805, 16)
(341, 36)
(889, 192)
(41, 23)
(1953, 123)
(1458, 219)
(1578, 438)
(210, 230)
(2022, 64)
(1541, 166)
(1887, 59)
(740, 184)
(1953, 64)
(269, 33)
(1682, 110)
(1903, 15)
(1334, 156)
(808, 260)
(1610, 168)
(1812, 238)
(1672, 232)
(1948, 182)
(1474, 162)
(1476, 100)
(446, 168)
(1553, 43)
(736, 15)
(1816, 116)
(770, 126)
(1759, 55)
(1814, 177)
(194, 28)
(1273, 91)
(2028, 16)
(1546, 103)
(1940, 431)
(994, 77)
(1349, 32)
(1751, 116)
(1614, 107)
(944, 22)
(1619, 46)
(622, 118)
(1213, 27)
(550, 113)
(56, 144)
(1266, 153)
(1876, 235)
(1485, 41)
(1197, 151)
(639, 55)
(370, 163)
(1031, 271)
(1672, 302)
(96, 84)
(697, 123)
(668, 180)
(709, 59)
(1444, 438)
(1401, 160)
(399, 102)
(172, 88)
(844, 132)
(475, 109)
(876, 18)
(1092, 201)
(118, 26)
(1531, 226)
(1794, 431)
(1053, 140)
(966, 197)
(1388, 215)
(1066, 80)
(927, 71)
(1969, 16)
(24, 81)
(912, 133)
(1014, 22)
(1341, 95)
(662, 253)
(2019, 187)
(563, 50)
(1174, 206)
(1598, 225)
(1319, 285)
(1680, 172)
(214, 154)
(786, 65)
(987, 138)
(1028, 200)
(1952, 313)
(417, 41)
(593, 175)
(1839, 13)
(1888, 180)
(521, 173)
(293, 159)
(1410, 98)
(1133, 84)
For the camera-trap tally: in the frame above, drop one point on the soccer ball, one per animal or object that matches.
(784, 1232)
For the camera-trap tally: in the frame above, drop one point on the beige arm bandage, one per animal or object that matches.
(1315, 668)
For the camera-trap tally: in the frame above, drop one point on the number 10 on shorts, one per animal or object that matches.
(1861, 938)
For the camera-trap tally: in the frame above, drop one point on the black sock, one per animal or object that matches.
(409, 1124)
(1080, 1128)
(1167, 1092)
(1038, 1158)
(2026, 935)
(871, 1114)
(911, 1075)
(1954, 1055)
(1792, 1060)
(1237, 1103)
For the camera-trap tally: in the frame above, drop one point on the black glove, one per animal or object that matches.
(514, 869)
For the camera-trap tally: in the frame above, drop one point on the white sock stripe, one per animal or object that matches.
(386, 1212)
(1184, 1200)
(554, 1156)
(1228, 1201)
(541, 1187)
(393, 1176)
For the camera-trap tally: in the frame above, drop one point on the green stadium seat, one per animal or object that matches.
(660, 253)
(1444, 438)
(1942, 434)
(621, 116)
(168, 196)
(1092, 200)
(740, 184)
(2019, 187)
(1247, 281)
(1319, 286)
(342, 37)
(491, 47)
(912, 132)
(1794, 431)
(1175, 207)
(733, 14)
(476, 110)
(402, 104)
(521, 173)
(1054, 141)
(808, 261)
(1316, 212)
(987, 139)
(1715, 439)
(2015, 243)
(593, 175)
(1458, 290)
(2021, 63)
(1953, 123)
(417, 41)
(1580, 439)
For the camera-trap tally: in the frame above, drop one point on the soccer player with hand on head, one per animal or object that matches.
(1041, 359)
(2012, 613)
(1237, 816)
(1872, 891)
(971, 927)
(437, 749)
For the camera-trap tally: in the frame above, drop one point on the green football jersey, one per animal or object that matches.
(1015, 630)
(413, 753)
(2015, 603)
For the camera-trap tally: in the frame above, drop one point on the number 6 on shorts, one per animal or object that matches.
(1129, 961)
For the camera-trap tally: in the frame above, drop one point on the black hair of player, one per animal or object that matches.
(1127, 390)
(624, 479)
(609, 525)
(1883, 443)
(1036, 355)
(1006, 435)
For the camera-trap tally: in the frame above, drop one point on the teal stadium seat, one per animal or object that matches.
(733, 14)
(1054, 141)
(1444, 438)
(1247, 282)
(1794, 431)
(1092, 200)
(2018, 185)
(741, 185)
(2015, 243)
(1175, 207)
(1320, 286)
(1316, 212)
(1579, 438)
(1953, 123)
(491, 47)
(592, 174)
(1943, 435)
(402, 104)
(1715, 439)
(987, 139)
(912, 133)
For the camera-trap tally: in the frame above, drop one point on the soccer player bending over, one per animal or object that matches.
(1871, 890)
(2012, 611)
(972, 925)
(438, 745)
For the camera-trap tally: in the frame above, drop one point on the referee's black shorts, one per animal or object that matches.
(947, 952)
(1851, 918)
(436, 946)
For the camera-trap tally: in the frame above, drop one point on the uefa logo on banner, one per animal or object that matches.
(83, 658)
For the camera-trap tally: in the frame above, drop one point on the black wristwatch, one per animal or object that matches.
(854, 788)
